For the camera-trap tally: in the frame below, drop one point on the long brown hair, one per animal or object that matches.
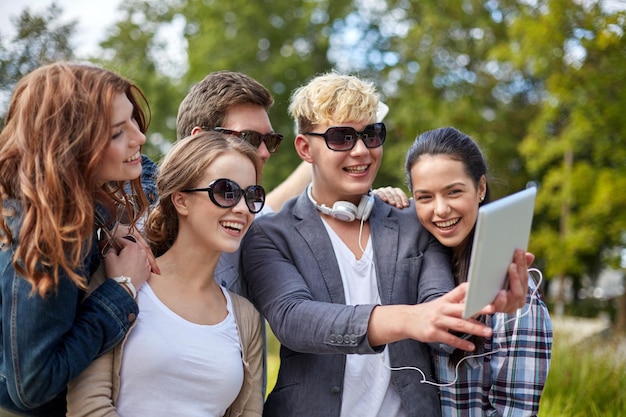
(57, 129)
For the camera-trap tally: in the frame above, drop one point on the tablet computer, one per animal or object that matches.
(502, 227)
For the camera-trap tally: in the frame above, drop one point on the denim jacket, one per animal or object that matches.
(46, 342)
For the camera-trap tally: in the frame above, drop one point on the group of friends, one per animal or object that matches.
(131, 289)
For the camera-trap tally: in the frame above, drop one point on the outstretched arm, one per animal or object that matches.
(427, 322)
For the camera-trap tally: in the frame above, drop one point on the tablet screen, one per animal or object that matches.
(502, 227)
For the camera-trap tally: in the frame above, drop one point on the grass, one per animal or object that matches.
(273, 359)
(585, 380)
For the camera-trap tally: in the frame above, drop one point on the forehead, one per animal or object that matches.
(232, 165)
(121, 106)
(247, 117)
(436, 171)
(358, 125)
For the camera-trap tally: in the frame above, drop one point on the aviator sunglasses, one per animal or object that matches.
(343, 138)
(272, 140)
(226, 193)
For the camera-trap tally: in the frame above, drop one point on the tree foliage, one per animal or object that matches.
(537, 84)
(39, 39)
(281, 44)
(576, 145)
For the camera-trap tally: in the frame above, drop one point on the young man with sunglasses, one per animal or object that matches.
(234, 103)
(352, 287)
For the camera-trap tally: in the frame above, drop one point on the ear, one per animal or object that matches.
(196, 130)
(482, 186)
(303, 147)
(179, 200)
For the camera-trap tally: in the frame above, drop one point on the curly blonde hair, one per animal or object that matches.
(57, 128)
(333, 97)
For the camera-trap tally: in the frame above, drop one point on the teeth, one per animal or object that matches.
(358, 169)
(447, 223)
(134, 157)
(232, 225)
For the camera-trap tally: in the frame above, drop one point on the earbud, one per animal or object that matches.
(345, 210)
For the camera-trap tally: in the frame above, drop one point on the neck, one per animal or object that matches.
(195, 267)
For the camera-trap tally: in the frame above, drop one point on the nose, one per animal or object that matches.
(263, 153)
(359, 146)
(241, 206)
(137, 136)
(441, 207)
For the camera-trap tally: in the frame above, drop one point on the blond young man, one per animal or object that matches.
(351, 286)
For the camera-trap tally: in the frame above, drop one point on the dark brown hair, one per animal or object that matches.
(208, 101)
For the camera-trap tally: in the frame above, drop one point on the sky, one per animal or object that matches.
(93, 17)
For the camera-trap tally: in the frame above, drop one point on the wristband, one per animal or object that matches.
(128, 283)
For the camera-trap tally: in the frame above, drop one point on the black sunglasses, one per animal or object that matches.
(343, 138)
(226, 193)
(272, 140)
(107, 235)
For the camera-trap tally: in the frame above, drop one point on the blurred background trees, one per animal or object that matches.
(539, 84)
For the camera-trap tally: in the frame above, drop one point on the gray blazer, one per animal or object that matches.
(291, 274)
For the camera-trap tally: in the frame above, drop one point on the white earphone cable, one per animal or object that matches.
(518, 315)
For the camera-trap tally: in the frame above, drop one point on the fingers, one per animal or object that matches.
(457, 295)
(508, 301)
(438, 318)
(135, 237)
(393, 196)
(132, 261)
(460, 330)
(530, 258)
(152, 263)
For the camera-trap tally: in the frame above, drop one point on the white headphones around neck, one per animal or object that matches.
(345, 210)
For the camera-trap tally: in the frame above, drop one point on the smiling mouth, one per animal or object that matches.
(356, 170)
(134, 157)
(448, 223)
(233, 226)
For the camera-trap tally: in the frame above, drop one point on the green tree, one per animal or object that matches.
(449, 73)
(133, 48)
(576, 146)
(39, 39)
(281, 44)
(505, 72)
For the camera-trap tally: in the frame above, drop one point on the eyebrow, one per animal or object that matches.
(447, 187)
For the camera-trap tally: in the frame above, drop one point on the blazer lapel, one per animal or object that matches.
(312, 230)
(385, 232)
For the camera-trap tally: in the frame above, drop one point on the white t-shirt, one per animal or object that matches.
(172, 367)
(367, 388)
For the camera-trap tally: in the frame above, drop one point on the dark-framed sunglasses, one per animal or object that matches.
(226, 193)
(343, 138)
(254, 138)
(107, 236)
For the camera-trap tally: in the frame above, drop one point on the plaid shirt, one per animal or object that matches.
(510, 381)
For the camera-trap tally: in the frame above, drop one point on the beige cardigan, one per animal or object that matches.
(94, 392)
